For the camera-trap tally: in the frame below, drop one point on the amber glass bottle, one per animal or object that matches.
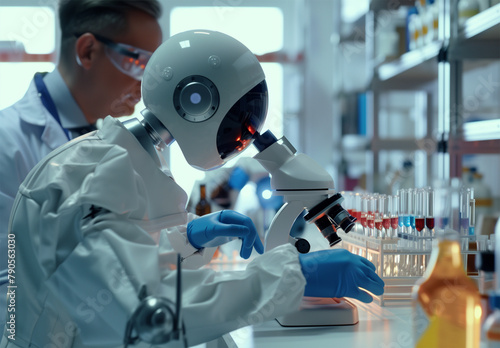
(203, 205)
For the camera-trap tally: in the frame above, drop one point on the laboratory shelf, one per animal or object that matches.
(459, 146)
(406, 144)
(483, 26)
(478, 38)
(411, 69)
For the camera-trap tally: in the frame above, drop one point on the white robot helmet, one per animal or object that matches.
(209, 91)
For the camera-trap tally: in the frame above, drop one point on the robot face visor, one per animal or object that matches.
(244, 118)
(128, 59)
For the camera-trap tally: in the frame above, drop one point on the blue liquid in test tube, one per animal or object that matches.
(411, 207)
(402, 211)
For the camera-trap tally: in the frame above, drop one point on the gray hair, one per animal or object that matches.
(105, 17)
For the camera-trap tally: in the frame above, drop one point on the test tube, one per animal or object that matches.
(357, 211)
(419, 210)
(472, 220)
(386, 203)
(442, 207)
(379, 215)
(419, 226)
(411, 208)
(364, 213)
(347, 201)
(402, 216)
(464, 212)
(395, 215)
(429, 214)
(370, 215)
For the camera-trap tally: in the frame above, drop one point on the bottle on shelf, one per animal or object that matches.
(482, 194)
(203, 206)
(414, 30)
(446, 302)
(466, 10)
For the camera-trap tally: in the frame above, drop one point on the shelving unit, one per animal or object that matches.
(478, 40)
(413, 68)
(438, 71)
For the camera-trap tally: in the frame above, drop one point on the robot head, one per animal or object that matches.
(210, 93)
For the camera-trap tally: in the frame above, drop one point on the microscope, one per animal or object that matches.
(305, 186)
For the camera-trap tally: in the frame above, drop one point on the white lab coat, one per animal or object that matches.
(27, 134)
(75, 269)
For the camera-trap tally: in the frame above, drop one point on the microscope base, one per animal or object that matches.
(315, 311)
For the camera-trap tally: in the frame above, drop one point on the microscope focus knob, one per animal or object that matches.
(302, 245)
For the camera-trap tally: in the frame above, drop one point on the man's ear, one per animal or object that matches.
(86, 50)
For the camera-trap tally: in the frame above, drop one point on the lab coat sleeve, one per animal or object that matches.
(215, 303)
(98, 282)
(174, 240)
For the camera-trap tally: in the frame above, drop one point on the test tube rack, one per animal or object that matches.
(400, 264)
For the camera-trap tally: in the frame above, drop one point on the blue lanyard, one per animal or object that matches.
(47, 101)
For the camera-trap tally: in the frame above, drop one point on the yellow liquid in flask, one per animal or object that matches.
(446, 302)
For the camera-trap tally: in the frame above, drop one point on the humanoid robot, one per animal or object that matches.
(99, 223)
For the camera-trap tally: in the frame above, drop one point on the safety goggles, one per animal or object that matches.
(128, 59)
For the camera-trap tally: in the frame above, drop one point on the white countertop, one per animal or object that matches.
(378, 327)
(387, 326)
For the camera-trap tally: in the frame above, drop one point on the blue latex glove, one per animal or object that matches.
(221, 227)
(238, 178)
(339, 273)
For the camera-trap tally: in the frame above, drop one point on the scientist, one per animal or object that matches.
(100, 218)
(93, 79)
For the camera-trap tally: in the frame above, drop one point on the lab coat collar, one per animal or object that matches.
(32, 111)
(70, 113)
(25, 107)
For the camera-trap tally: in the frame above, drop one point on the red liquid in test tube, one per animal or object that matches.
(370, 222)
(378, 224)
(419, 224)
(429, 222)
(355, 214)
(386, 222)
(363, 219)
(394, 222)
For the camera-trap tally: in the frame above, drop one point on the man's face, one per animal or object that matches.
(121, 91)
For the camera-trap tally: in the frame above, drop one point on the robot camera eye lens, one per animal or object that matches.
(195, 98)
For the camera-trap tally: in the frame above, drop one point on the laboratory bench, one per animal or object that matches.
(382, 323)
(378, 327)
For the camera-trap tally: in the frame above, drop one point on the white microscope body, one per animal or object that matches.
(304, 184)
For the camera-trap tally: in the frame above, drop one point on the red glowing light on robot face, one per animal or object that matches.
(251, 129)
